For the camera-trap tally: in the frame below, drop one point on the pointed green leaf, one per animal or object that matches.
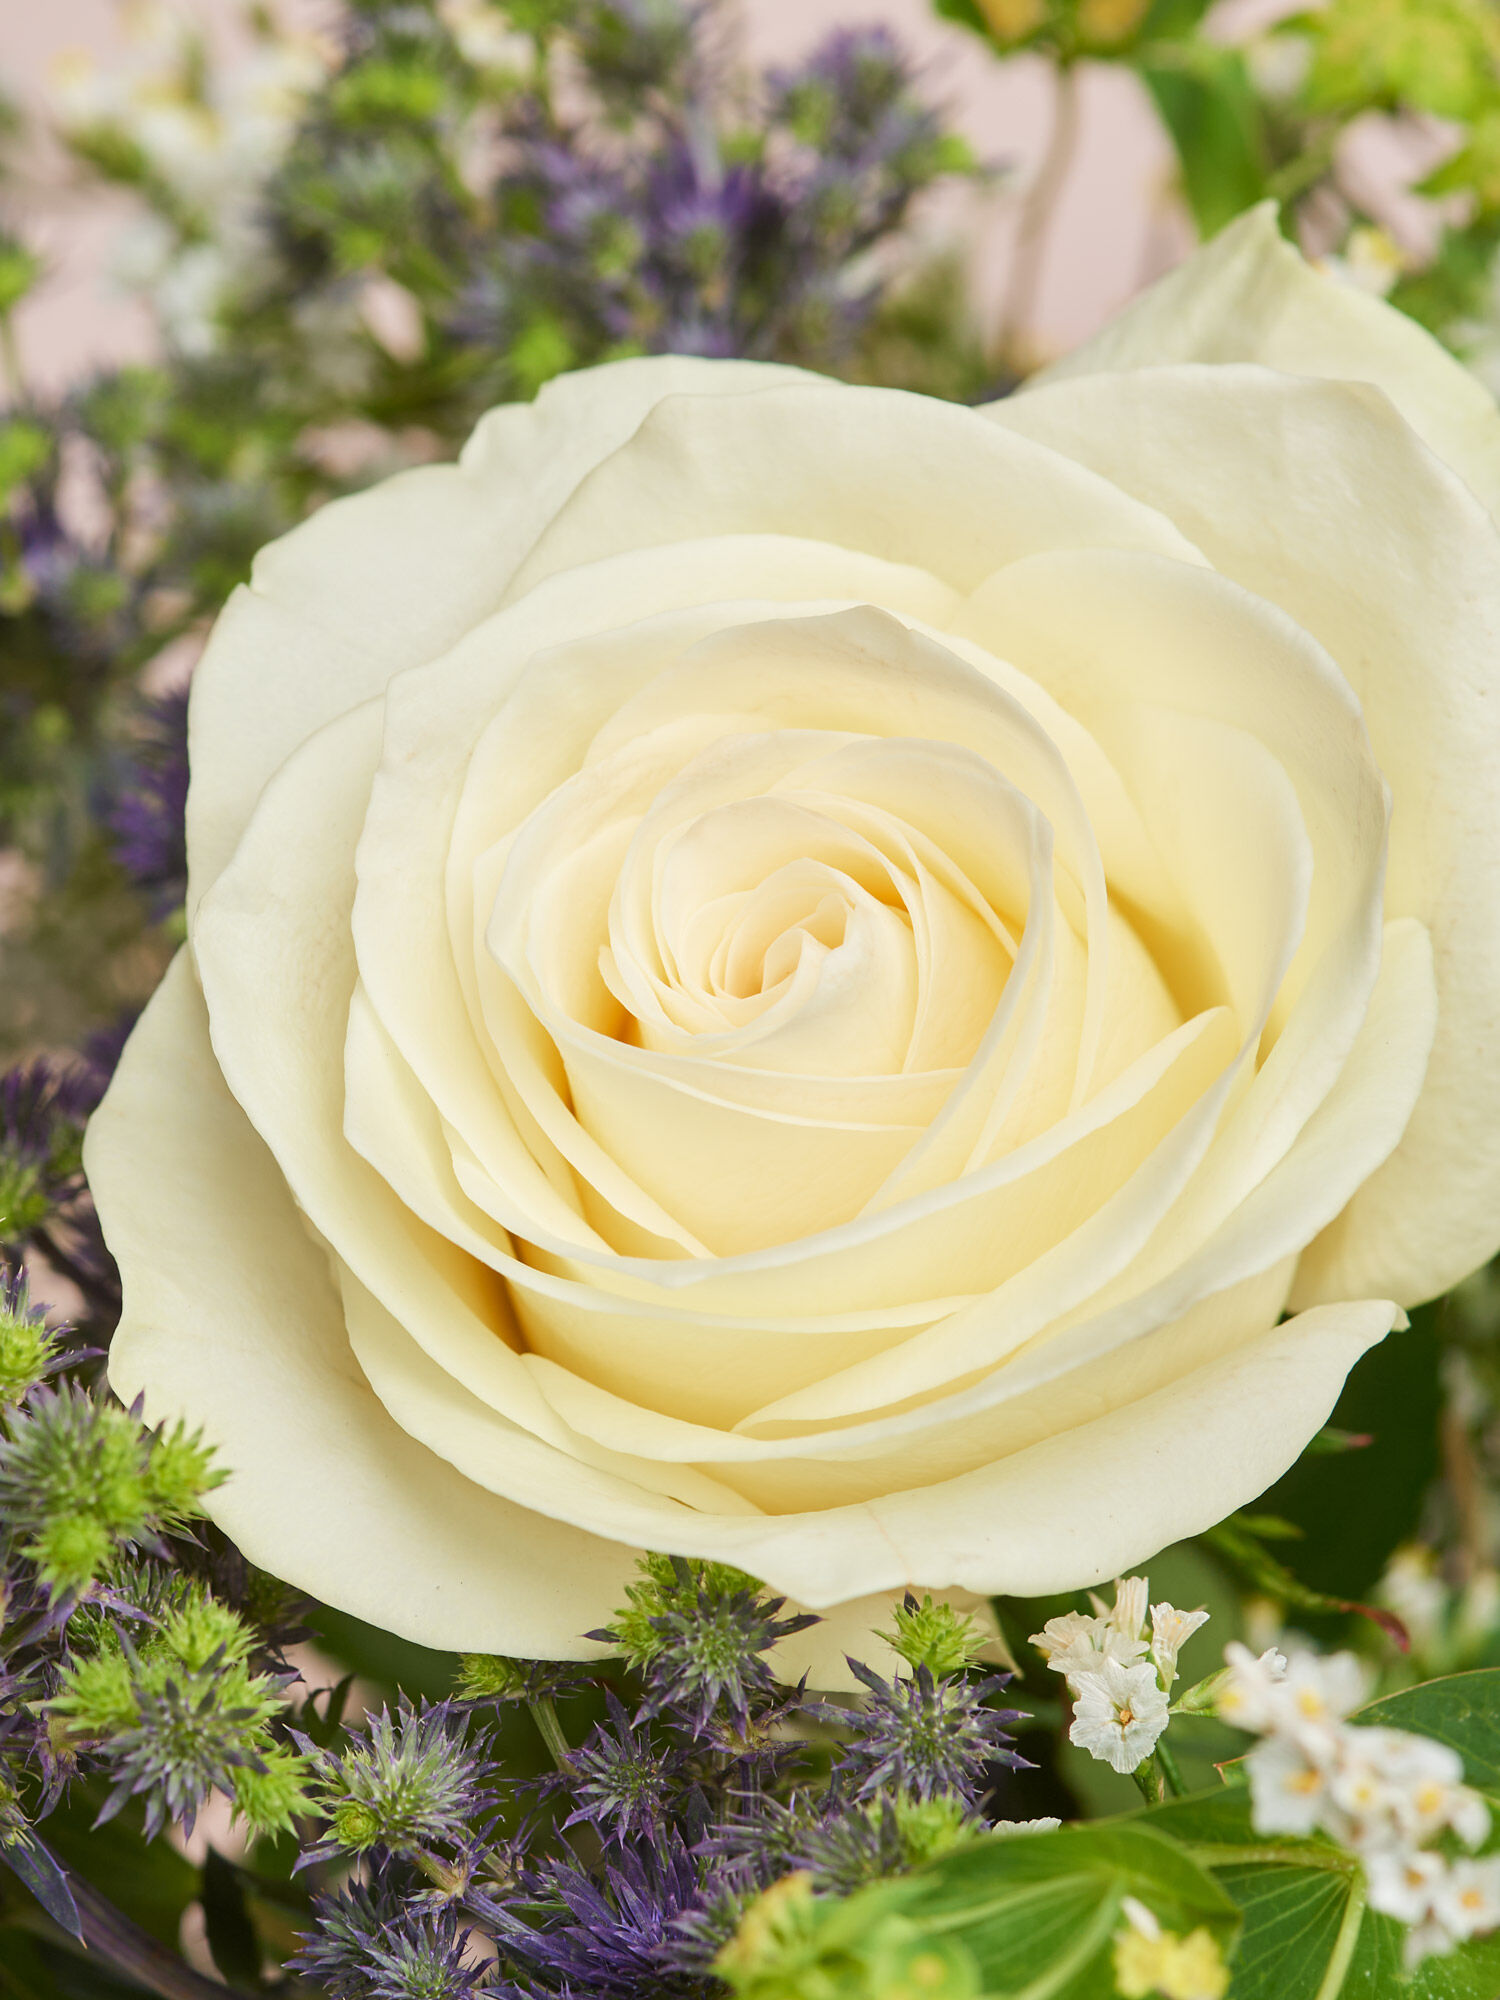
(1040, 1912)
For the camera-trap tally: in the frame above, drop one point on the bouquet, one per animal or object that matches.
(749, 1153)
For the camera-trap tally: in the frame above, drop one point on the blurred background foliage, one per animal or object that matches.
(353, 246)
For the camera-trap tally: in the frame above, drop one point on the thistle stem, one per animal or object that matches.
(544, 1715)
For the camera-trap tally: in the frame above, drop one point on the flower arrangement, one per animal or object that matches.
(733, 1056)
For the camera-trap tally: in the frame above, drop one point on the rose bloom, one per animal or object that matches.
(799, 974)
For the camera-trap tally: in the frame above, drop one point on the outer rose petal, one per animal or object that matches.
(393, 576)
(235, 1323)
(1341, 516)
(1251, 297)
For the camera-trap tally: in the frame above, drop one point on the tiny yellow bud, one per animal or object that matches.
(1105, 23)
(1013, 20)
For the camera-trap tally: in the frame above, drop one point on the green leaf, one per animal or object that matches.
(1355, 1509)
(227, 1922)
(31, 1863)
(1461, 1710)
(1040, 1912)
(1308, 1933)
(1209, 107)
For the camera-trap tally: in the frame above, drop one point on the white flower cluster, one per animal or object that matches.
(1120, 1697)
(209, 133)
(1382, 1793)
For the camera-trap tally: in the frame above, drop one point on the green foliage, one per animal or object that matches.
(1042, 1913)
(792, 1946)
(1434, 55)
(1005, 1915)
(1209, 106)
(1352, 1510)
(184, 1708)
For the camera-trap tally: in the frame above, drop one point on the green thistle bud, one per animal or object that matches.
(356, 1825)
(70, 1552)
(492, 1677)
(269, 1800)
(934, 1636)
(26, 1348)
(179, 1471)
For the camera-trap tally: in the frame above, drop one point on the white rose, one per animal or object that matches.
(800, 974)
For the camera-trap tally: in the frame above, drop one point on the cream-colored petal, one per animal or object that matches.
(393, 576)
(1062, 1513)
(232, 1323)
(1338, 513)
(902, 477)
(1250, 296)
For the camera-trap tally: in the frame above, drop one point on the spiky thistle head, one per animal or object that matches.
(924, 1736)
(409, 1783)
(28, 1352)
(373, 1944)
(699, 1634)
(622, 1781)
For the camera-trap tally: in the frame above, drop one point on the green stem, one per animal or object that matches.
(1169, 1768)
(1018, 313)
(1344, 1943)
(1209, 1855)
(1148, 1779)
(126, 1947)
(544, 1715)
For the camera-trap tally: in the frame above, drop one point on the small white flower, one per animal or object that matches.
(1119, 1712)
(1318, 1691)
(1170, 1630)
(1467, 1900)
(1127, 1615)
(1424, 1785)
(1371, 262)
(1403, 1883)
(1076, 1643)
(1007, 1827)
(1248, 1698)
(1289, 1790)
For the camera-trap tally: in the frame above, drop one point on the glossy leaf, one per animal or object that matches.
(1209, 107)
(1040, 1912)
(1461, 1710)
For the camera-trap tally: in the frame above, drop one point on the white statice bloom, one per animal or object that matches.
(1119, 1713)
(1170, 1630)
(1402, 1883)
(1076, 1643)
(1290, 1786)
(1316, 1693)
(1249, 1695)
(1127, 1615)
(1006, 1828)
(1467, 1900)
(1420, 1784)
(1443, 1902)
(1415, 1591)
(1278, 65)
